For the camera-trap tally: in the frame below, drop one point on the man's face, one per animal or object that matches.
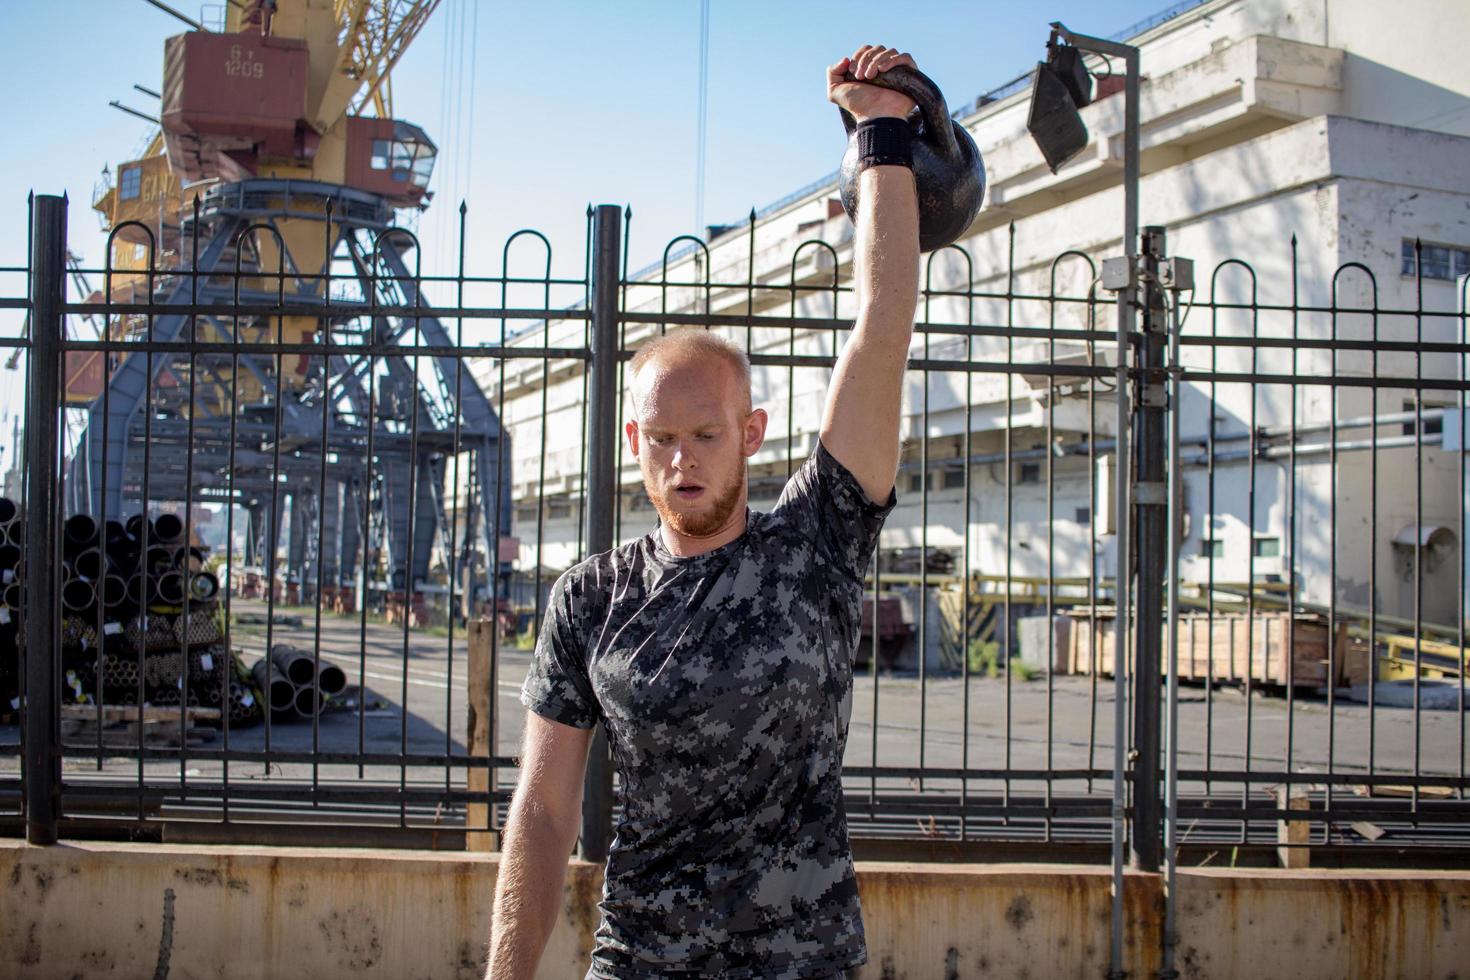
(691, 435)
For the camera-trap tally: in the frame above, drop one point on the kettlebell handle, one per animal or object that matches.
(919, 87)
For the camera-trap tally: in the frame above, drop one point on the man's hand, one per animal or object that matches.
(846, 88)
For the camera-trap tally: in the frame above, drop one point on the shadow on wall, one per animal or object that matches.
(1383, 94)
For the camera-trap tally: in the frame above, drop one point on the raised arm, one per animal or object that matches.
(861, 421)
(538, 837)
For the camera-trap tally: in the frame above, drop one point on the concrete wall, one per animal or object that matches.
(99, 910)
(1413, 77)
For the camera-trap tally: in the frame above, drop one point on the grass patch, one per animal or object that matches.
(985, 661)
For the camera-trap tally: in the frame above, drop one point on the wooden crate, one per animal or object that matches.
(1231, 647)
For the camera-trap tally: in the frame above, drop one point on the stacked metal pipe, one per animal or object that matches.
(129, 567)
(292, 685)
(140, 613)
(12, 596)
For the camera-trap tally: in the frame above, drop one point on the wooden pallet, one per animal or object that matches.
(120, 725)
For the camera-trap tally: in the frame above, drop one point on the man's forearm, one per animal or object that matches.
(861, 422)
(886, 256)
(528, 895)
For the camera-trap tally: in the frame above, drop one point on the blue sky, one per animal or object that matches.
(572, 102)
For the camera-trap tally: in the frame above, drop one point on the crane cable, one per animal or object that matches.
(703, 115)
(448, 84)
(469, 163)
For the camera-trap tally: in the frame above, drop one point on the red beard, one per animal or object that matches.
(701, 525)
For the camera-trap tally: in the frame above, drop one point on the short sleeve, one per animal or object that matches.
(557, 686)
(845, 523)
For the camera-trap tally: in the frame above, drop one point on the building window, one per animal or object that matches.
(1030, 473)
(1445, 262)
(1212, 548)
(1084, 515)
(129, 183)
(1432, 427)
(954, 479)
(1266, 547)
(916, 482)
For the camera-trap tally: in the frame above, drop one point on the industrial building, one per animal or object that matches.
(1302, 156)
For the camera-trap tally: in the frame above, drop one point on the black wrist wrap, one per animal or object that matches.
(884, 142)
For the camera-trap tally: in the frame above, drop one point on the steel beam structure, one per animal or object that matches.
(220, 406)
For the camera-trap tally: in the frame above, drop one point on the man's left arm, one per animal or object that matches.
(860, 424)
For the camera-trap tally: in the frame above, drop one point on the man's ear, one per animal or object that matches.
(755, 432)
(630, 429)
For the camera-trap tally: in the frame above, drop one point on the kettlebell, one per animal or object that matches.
(948, 171)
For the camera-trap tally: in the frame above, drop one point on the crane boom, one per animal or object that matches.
(373, 36)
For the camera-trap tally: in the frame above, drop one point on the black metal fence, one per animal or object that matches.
(383, 470)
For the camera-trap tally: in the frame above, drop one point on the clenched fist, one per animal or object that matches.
(846, 86)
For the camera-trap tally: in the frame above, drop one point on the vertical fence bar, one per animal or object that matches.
(458, 546)
(1418, 511)
(329, 244)
(1463, 509)
(48, 283)
(923, 610)
(1152, 547)
(1003, 654)
(602, 487)
(232, 496)
(1290, 550)
(1094, 580)
(1211, 432)
(1250, 574)
(1332, 488)
(413, 509)
(968, 451)
(1171, 578)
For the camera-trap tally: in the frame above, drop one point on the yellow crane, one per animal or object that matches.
(228, 96)
(299, 90)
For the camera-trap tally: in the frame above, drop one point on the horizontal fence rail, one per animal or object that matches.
(312, 498)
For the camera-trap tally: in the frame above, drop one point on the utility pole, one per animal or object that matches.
(1119, 276)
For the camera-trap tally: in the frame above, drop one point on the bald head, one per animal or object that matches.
(690, 347)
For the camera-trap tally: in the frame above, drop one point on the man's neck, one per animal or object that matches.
(688, 546)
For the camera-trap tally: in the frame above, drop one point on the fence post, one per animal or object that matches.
(48, 284)
(1152, 499)
(481, 738)
(601, 483)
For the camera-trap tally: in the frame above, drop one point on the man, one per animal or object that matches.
(717, 650)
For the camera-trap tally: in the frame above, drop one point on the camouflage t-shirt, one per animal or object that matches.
(725, 684)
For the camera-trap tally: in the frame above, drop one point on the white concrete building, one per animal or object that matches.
(1300, 136)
